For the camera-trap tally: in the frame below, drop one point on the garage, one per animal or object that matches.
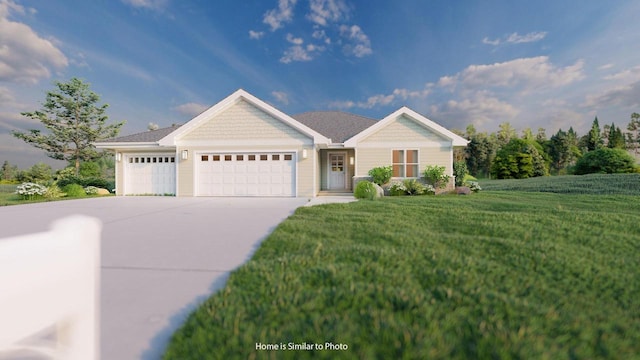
(245, 174)
(147, 174)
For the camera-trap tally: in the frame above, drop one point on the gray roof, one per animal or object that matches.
(147, 136)
(336, 125)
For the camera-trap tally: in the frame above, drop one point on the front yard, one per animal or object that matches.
(491, 275)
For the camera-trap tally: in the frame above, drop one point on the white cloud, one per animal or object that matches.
(326, 11)
(516, 38)
(384, 99)
(147, 4)
(618, 96)
(321, 35)
(24, 55)
(360, 45)
(294, 40)
(480, 109)
(275, 18)
(526, 73)
(605, 66)
(256, 35)
(190, 109)
(628, 75)
(295, 53)
(281, 97)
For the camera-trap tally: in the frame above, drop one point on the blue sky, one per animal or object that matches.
(550, 64)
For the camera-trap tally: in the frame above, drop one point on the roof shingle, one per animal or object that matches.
(336, 125)
(147, 136)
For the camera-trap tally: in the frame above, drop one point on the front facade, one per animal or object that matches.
(245, 147)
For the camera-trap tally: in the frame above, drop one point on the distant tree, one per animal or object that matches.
(527, 134)
(75, 122)
(480, 153)
(505, 134)
(519, 159)
(615, 139)
(633, 134)
(593, 140)
(8, 172)
(541, 136)
(38, 173)
(559, 149)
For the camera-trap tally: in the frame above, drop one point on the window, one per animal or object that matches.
(252, 158)
(216, 158)
(160, 159)
(288, 157)
(227, 158)
(204, 158)
(130, 160)
(239, 157)
(173, 159)
(405, 163)
(275, 157)
(155, 159)
(142, 160)
(264, 157)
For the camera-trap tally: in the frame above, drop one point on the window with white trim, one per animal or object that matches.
(405, 163)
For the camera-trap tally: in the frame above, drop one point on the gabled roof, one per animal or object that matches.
(229, 101)
(456, 140)
(336, 125)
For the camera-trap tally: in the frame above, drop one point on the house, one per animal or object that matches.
(243, 146)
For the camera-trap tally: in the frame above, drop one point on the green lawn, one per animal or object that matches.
(491, 275)
(596, 184)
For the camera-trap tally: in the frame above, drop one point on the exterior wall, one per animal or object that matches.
(369, 158)
(305, 183)
(243, 122)
(119, 175)
(404, 129)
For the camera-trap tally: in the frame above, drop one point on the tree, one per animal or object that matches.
(8, 172)
(479, 153)
(559, 149)
(615, 139)
(39, 172)
(519, 159)
(593, 139)
(633, 136)
(74, 120)
(506, 133)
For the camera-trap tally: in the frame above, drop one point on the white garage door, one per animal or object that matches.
(246, 174)
(150, 174)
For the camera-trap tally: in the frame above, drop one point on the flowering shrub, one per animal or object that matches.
(410, 187)
(435, 176)
(473, 186)
(91, 190)
(29, 190)
(53, 192)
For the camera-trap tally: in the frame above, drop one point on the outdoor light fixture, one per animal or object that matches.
(304, 153)
(118, 157)
(351, 160)
(185, 154)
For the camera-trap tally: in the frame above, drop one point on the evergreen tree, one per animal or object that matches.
(594, 138)
(615, 139)
(633, 136)
(71, 114)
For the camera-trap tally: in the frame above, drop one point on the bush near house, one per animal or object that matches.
(365, 190)
(74, 190)
(381, 175)
(434, 175)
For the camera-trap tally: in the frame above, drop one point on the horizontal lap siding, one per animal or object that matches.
(403, 130)
(441, 156)
(368, 158)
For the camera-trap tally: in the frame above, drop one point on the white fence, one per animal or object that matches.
(49, 292)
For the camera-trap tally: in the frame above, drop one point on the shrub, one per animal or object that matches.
(460, 171)
(473, 186)
(365, 190)
(73, 190)
(53, 192)
(397, 189)
(29, 190)
(381, 175)
(413, 187)
(435, 176)
(91, 190)
(519, 159)
(410, 187)
(605, 160)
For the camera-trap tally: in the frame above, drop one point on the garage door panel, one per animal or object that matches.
(149, 174)
(246, 174)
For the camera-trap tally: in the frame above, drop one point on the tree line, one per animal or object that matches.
(504, 154)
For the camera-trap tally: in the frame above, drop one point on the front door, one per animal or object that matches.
(337, 171)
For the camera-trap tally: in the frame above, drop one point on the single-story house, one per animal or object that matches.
(243, 146)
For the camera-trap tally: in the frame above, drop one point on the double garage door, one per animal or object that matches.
(147, 174)
(245, 174)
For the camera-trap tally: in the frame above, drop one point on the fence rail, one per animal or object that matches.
(50, 286)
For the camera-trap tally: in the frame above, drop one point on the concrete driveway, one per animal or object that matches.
(161, 257)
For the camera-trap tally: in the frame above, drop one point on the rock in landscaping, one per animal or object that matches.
(463, 190)
(379, 190)
(103, 192)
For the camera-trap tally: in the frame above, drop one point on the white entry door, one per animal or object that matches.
(337, 171)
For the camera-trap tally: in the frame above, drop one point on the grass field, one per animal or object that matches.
(596, 184)
(493, 275)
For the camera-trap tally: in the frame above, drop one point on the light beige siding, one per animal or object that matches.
(368, 158)
(243, 121)
(403, 129)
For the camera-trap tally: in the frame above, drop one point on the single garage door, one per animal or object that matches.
(246, 174)
(150, 174)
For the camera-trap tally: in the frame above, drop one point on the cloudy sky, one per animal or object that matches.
(545, 63)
